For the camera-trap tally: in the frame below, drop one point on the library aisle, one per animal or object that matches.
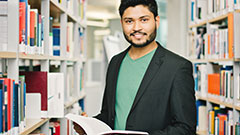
(42, 60)
(214, 48)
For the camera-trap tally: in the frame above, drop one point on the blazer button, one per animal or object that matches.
(112, 119)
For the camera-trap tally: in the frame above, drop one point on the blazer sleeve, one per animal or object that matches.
(103, 115)
(182, 101)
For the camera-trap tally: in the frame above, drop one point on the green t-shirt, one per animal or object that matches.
(129, 79)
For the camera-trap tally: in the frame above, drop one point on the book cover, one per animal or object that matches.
(93, 126)
(214, 83)
(36, 82)
(230, 35)
(32, 30)
(22, 21)
(56, 95)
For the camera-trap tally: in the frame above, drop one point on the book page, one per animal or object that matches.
(124, 132)
(92, 126)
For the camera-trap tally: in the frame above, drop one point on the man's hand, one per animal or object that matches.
(78, 129)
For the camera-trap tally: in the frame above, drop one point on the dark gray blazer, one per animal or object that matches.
(165, 101)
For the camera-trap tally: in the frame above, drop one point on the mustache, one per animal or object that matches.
(132, 34)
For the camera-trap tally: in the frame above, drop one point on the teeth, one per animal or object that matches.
(138, 35)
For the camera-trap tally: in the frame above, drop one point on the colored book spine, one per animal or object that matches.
(32, 30)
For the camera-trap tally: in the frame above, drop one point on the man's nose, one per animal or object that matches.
(137, 26)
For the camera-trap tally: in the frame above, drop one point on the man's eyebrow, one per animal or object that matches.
(139, 17)
(144, 16)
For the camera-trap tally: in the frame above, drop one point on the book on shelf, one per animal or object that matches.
(214, 83)
(70, 43)
(31, 40)
(220, 121)
(50, 36)
(51, 88)
(201, 115)
(198, 10)
(56, 40)
(93, 126)
(56, 95)
(36, 82)
(81, 39)
(11, 109)
(200, 78)
(33, 105)
(54, 128)
(221, 84)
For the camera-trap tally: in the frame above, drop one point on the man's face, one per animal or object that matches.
(139, 25)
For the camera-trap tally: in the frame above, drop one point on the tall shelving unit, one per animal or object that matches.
(11, 58)
(218, 54)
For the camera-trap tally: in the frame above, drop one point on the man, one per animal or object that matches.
(148, 88)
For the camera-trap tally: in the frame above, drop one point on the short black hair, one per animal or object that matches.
(151, 4)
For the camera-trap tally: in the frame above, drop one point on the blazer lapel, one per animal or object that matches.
(115, 78)
(152, 69)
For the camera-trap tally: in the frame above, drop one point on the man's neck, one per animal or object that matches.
(136, 52)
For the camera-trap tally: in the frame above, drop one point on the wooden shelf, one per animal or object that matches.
(198, 24)
(57, 58)
(220, 60)
(214, 60)
(211, 20)
(56, 9)
(11, 55)
(83, 94)
(216, 101)
(73, 18)
(237, 108)
(218, 18)
(238, 10)
(33, 124)
(201, 98)
(32, 56)
(198, 60)
(201, 132)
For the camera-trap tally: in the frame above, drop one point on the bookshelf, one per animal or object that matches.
(66, 17)
(32, 124)
(213, 48)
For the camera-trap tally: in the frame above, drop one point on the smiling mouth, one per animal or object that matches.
(138, 34)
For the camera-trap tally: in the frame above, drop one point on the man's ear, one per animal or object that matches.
(157, 19)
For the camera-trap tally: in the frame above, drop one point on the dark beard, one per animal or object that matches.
(150, 40)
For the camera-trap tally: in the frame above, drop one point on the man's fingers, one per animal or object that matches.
(78, 129)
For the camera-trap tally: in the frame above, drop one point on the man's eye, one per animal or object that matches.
(128, 21)
(144, 20)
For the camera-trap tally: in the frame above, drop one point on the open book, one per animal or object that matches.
(93, 126)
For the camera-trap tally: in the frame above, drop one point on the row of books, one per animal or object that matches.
(13, 105)
(37, 95)
(71, 92)
(31, 32)
(201, 9)
(219, 84)
(31, 35)
(216, 121)
(218, 42)
(54, 124)
(214, 41)
(198, 43)
(3, 24)
(51, 89)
